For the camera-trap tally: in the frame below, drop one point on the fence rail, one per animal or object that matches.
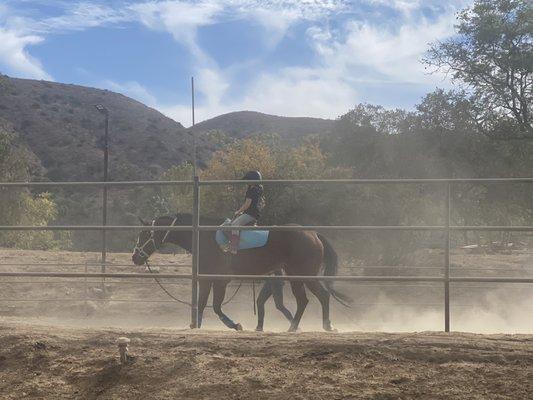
(269, 181)
(267, 227)
(196, 228)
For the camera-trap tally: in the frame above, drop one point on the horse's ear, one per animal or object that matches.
(143, 222)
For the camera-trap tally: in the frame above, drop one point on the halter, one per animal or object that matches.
(151, 240)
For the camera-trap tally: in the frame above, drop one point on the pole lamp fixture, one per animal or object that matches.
(103, 110)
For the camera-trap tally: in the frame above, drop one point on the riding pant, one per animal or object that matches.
(242, 220)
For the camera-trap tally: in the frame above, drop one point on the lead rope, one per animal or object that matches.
(163, 288)
(185, 302)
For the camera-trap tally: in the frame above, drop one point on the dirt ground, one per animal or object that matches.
(58, 336)
(42, 362)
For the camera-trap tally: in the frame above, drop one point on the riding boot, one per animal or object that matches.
(233, 244)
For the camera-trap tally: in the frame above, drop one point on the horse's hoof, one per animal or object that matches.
(259, 329)
(294, 329)
(238, 327)
(329, 328)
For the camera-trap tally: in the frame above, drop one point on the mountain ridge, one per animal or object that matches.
(240, 124)
(60, 125)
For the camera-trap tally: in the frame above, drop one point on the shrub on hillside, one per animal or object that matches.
(19, 206)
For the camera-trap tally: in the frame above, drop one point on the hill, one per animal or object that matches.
(59, 123)
(246, 123)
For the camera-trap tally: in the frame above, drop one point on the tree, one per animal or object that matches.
(492, 55)
(19, 206)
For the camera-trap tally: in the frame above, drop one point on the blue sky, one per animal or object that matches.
(296, 58)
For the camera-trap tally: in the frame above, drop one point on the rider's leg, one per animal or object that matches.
(241, 220)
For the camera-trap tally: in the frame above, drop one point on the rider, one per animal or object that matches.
(250, 211)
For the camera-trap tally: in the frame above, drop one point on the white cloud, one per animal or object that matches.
(283, 93)
(319, 92)
(131, 89)
(81, 16)
(18, 32)
(180, 19)
(377, 53)
(290, 92)
(362, 50)
(15, 58)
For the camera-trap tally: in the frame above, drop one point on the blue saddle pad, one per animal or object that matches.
(249, 239)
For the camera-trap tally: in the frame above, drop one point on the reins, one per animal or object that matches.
(142, 252)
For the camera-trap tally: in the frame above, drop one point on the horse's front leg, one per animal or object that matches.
(264, 294)
(203, 296)
(219, 292)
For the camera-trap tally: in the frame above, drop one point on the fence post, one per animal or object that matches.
(447, 259)
(104, 194)
(195, 251)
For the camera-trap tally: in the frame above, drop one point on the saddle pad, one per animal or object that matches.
(249, 239)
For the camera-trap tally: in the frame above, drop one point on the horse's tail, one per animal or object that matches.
(331, 265)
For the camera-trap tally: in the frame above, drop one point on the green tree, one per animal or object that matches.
(492, 55)
(19, 206)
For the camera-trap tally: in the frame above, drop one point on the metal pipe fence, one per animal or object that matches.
(196, 228)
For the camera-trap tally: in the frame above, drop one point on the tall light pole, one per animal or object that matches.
(194, 161)
(104, 111)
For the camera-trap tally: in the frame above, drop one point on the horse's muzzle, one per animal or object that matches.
(138, 259)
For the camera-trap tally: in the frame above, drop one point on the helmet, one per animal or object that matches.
(252, 176)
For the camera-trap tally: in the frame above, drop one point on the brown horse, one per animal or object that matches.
(296, 252)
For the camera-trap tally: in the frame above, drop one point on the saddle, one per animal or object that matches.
(248, 239)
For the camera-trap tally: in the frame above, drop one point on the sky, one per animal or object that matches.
(316, 58)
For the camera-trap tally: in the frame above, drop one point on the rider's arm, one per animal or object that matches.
(245, 206)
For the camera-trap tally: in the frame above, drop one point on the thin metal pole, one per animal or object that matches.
(86, 292)
(194, 161)
(447, 260)
(195, 252)
(104, 199)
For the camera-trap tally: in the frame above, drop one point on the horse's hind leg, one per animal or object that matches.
(277, 294)
(323, 296)
(219, 291)
(298, 289)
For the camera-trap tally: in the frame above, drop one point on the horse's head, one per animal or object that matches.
(149, 241)
(145, 246)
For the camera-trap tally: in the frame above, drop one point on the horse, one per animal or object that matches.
(296, 252)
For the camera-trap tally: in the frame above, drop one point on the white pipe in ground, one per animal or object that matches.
(122, 343)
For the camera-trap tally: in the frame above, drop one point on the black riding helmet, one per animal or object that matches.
(252, 176)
